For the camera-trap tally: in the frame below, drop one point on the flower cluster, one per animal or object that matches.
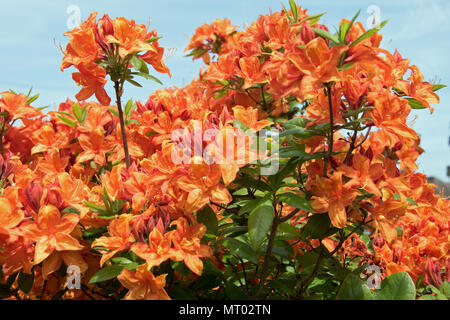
(156, 228)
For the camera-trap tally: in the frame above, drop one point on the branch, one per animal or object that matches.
(118, 88)
(331, 136)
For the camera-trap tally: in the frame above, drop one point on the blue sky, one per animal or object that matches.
(29, 57)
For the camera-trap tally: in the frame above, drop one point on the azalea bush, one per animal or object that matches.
(182, 197)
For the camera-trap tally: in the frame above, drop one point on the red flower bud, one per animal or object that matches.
(433, 273)
(144, 224)
(33, 195)
(54, 198)
(378, 241)
(107, 26)
(397, 256)
(307, 34)
(6, 167)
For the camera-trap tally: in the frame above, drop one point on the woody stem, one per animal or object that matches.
(331, 135)
(118, 90)
(267, 255)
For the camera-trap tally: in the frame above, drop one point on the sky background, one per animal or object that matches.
(30, 31)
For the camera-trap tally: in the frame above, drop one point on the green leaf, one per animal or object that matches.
(95, 208)
(209, 218)
(71, 210)
(241, 249)
(428, 297)
(83, 114)
(233, 292)
(77, 112)
(415, 104)
(25, 281)
(32, 99)
(128, 108)
(295, 201)
(240, 125)
(106, 273)
(369, 33)
(67, 121)
(294, 10)
(326, 35)
(286, 11)
(346, 66)
(124, 262)
(288, 229)
(398, 286)
(250, 205)
(312, 19)
(114, 112)
(308, 259)
(437, 87)
(139, 64)
(93, 233)
(130, 121)
(445, 289)
(345, 27)
(150, 133)
(149, 77)
(153, 39)
(318, 226)
(251, 183)
(353, 288)
(5, 291)
(221, 93)
(134, 83)
(259, 223)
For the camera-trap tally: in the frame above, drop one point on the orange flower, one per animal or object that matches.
(187, 246)
(333, 196)
(16, 105)
(130, 37)
(120, 237)
(251, 71)
(418, 89)
(10, 217)
(94, 146)
(92, 79)
(318, 63)
(249, 116)
(143, 285)
(156, 251)
(82, 48)
(51, 232)
(363, 173)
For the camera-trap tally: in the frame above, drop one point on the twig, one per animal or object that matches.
(331, 134)
(117, 87)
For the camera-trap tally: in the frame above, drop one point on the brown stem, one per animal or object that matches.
(118, 90)
(265, 267)
(290, 215)
(331, 135)
(2, 151)
(352, 145)
(304, 285)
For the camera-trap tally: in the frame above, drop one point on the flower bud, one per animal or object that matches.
(144, 224)
(33, 195)
(307, 34)
(54, 198)
(397, 255)
(378, 241)
(433, 273)
(107, 26)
